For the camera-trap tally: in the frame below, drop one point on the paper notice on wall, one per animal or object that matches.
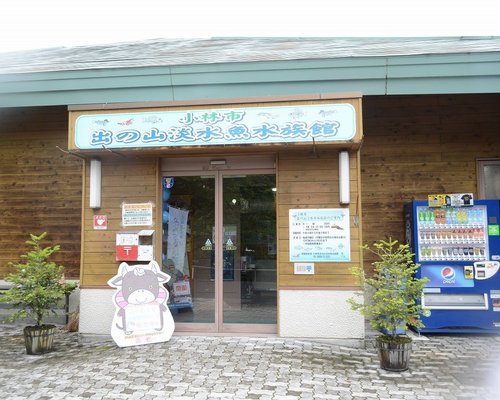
(177, 228)
(137, 214)
(320, 235)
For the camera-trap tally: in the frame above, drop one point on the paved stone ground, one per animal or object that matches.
(442, 367)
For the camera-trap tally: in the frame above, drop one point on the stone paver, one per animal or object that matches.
(196, 367)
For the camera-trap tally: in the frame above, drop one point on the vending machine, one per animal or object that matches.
(458, 247)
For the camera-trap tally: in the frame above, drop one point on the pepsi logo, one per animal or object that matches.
(448, 273)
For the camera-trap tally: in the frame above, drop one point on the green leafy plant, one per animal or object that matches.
(394, 289)
(38, 283)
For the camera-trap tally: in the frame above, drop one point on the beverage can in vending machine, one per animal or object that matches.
(421, 216)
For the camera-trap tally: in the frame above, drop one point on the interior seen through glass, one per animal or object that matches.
(248, 248)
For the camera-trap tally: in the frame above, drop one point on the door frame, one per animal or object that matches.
(214, 166)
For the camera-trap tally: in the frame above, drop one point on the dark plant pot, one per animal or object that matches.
(39, 339)
(394, 355)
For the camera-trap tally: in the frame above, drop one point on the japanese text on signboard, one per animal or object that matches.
(321, 122)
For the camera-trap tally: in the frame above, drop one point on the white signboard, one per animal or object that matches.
(217, 126)
(138, 214)
(320, 235)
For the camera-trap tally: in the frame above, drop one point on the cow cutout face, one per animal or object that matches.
(139, 285)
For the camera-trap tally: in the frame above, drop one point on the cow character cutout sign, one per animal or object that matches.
(142, 315)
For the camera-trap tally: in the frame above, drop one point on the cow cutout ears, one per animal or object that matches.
(142, 315)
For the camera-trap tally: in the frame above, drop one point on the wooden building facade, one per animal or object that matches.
(417, 145)
(416, 140)
(303, 174)
(41, 186)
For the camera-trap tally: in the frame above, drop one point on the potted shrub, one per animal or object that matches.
(392, 302)
(38, 287)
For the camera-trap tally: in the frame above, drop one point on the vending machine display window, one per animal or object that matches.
(453, 233)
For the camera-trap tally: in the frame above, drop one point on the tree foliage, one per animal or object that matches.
(38, 283)
(394, 289)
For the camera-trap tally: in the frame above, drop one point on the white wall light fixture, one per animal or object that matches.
(95, 183)
(344, 187)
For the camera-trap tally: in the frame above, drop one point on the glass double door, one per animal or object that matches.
(219, 247)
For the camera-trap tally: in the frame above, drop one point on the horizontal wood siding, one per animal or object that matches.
(124, 179)
(40, 186)
(310, 179)
(418, 145)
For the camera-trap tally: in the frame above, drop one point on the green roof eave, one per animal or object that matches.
(371, 75)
